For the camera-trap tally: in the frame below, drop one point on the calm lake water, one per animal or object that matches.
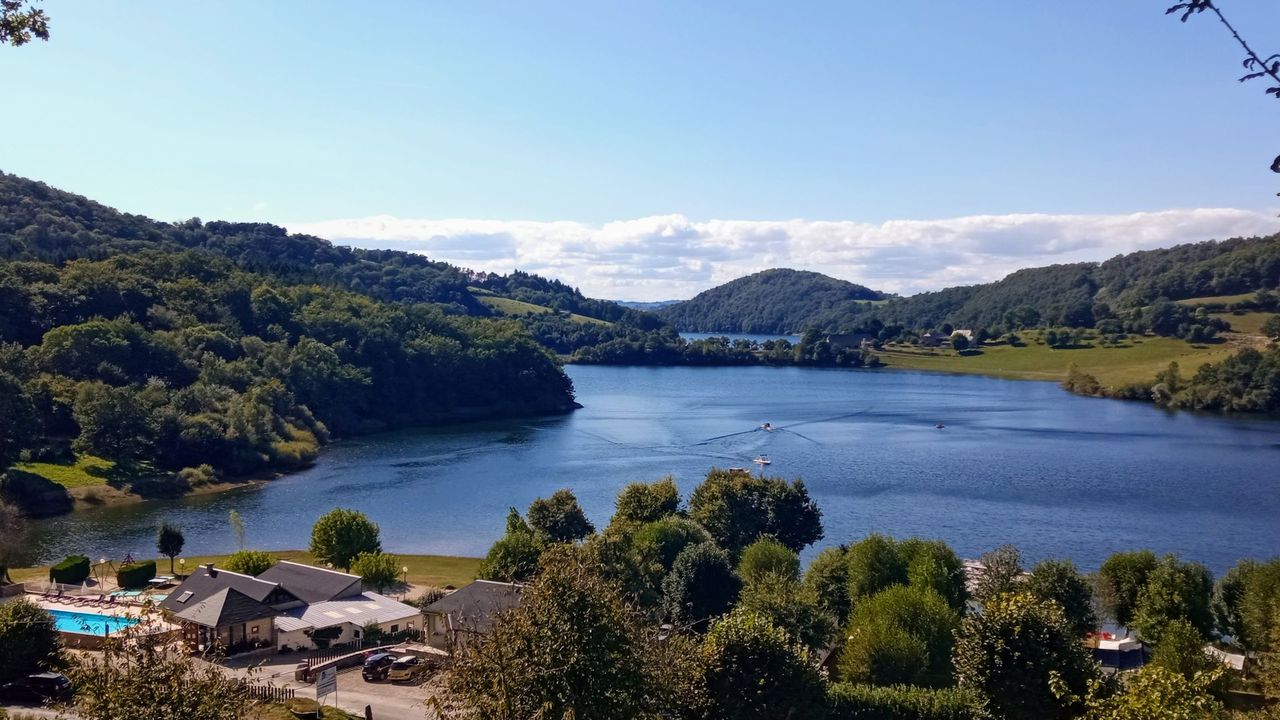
(1017, 462)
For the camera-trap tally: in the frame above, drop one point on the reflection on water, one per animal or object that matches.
(1015, 462)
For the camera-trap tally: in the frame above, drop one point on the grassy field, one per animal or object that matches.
(1214, 299)
(84, 472)
(508, 306)
(1249, 323)
(1113, 366)
(438, 570)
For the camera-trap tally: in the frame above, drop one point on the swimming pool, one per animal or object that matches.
(90, 623)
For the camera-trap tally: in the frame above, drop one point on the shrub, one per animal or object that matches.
(71, 571)
(249, 562)
(900, 702)
(767, 556)
(136, 574)
(377, 570)
(197, 476)
(28, 640)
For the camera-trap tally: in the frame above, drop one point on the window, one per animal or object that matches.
(395, 628)
(408, 625)
(253, 629)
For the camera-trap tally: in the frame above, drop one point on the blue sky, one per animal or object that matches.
(550, 123)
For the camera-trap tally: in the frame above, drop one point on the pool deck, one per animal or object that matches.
(153, 622)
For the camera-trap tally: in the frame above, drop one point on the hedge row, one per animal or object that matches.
(901, 702)
(72, 571)
(136, 575)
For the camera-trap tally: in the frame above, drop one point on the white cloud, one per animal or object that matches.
(669, 256)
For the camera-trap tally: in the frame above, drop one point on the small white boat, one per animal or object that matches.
(767, 427)
(762, 460)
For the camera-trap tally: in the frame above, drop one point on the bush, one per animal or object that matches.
(900, 702)
(249, 562)
(765, 557)
(71, 571)
(198, 475)
(136, 575)
(28, 640)
(377, 570)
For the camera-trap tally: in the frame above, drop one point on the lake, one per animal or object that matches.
(1017, 462)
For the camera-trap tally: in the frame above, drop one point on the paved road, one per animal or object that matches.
(388, 701)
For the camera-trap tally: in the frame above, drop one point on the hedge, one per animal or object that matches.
(72, 571)
(901, 702)
(136, 575)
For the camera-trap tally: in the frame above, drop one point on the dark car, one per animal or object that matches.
(377, 665)
(40, 688)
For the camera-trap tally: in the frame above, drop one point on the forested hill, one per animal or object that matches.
(231, 346)
(772, 301)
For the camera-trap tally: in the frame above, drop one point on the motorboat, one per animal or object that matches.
(761, 460)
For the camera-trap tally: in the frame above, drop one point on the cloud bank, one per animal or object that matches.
(669, 256)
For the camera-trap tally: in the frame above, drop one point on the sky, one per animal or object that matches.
(651, 150)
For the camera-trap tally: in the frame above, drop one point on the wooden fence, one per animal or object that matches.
(269, 693)
(319, 657)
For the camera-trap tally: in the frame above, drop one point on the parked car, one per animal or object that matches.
(376, 666)
(40, 688)
(407, 667)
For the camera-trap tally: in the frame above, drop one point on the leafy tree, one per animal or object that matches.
(768, 557)
(1181, 650)
(874, 564)
(791, 606)
(661, 541)
(934, 565)
(736, 508)
(1022, 658)
(169, 542)
(1271, 328)
(13, 535)
(16, 411)
(113, 422)
(20, 24)
(237, 526)
(754, 672)
(1120, 579)
(1174, 590)
(647, 502)
(901, 635)
(1157, 693)
(559, 518)
(700, 586)
(378, 569)
(572, 648)
(1058, 580)
(28, 640)
(1259, 609)
(959, 342)
(513, 558)
(828, 578)
(249, 562)
(1001, 573)
(340, 535)
(1228, 594)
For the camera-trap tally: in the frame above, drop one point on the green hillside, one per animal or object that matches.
(773, 301)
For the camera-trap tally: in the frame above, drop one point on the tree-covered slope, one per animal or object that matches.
(772, 301)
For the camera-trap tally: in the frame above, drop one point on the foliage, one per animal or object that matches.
(1174, 590)
(142, 675)
(237, 526)
(559, 518)
(1259, 608)
(71, 570)
(19, 24)
(1156, 693)
(136, 575)
(901, 635)
(13, 535)
(340, 535)
(1120, 579)
(514, 557)
(874, 564)
(1001, 573)
(169, 542)
(772, 301)
(1248, 381)
(1059, 581)
(901, 702)
(1022, 659)
(934, 565)
(642, 503)
(657, 544)
(1181, 650)
(755, 672)
(767, 557)
(1271, 328)
(737, 507)
(249, 562)
(791, 606)
(28, 640)
(959, 342)
(377, 569)
(828, 578)
(700, 586)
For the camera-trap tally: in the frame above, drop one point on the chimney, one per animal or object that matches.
(208, 568)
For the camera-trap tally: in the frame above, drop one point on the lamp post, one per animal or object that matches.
(100, 573)
(182, 567)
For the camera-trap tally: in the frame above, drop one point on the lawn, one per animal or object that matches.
(86, 471)
(1216, 299)
(438, 570)
(1249, 323)
(509, 306)
(1113, 366)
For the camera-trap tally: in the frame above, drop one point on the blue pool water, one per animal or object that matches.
(90, 623)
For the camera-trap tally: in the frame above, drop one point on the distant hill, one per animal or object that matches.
(772, 301)
(647, 306)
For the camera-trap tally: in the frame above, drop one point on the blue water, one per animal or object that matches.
(1018, 462)
(90, 623)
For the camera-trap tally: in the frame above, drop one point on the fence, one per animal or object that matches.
(269, 693)
(319, 657)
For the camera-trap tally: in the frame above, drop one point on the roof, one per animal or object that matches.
(474, 607)
(228, 606)
(313, 584)
(364, 608)
(208, 580)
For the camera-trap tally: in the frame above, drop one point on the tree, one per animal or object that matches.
(19, 25)
(340, 535)
(1174, 590)
(28, 640)
(828, 578)
(901, 635)
(572, 648)
(1228, 595)
(559, 518)
(754, 672)
(1021, 656)
(1271, 328)
(1058, 580)
(237, 526)
(1181, 650)
(113, 421)
(16, 412)
(791, 606)
(1001, 573)
(169, 542)
(13, 534)
(737, 507)
(249, 562)
(768, 557)
(1259, 610)
(700, 586)
(1156, 693)
(647, 502)
(874, 564)
(1120, 578)
(377, 569)
(660, 542)
(959, 342)
(934, 565)
(513, 558)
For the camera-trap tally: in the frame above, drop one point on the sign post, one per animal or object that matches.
(327, 684)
